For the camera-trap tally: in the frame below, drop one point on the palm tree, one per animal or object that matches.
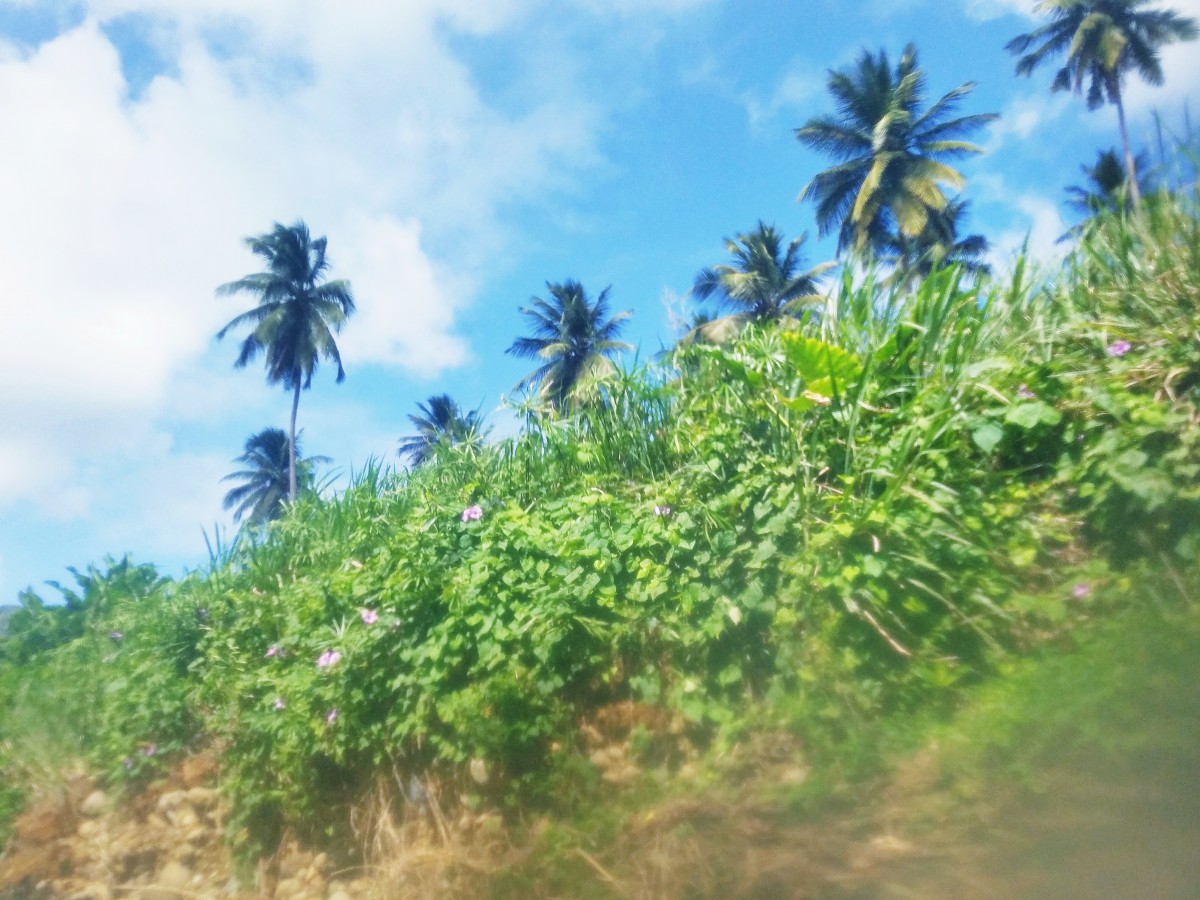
(439, 423)
(1107, 187)
(891, 152)
(266, 482)
(765, 283)
(296, 317)
(573, 339)
(1103, 40)
(939, 245)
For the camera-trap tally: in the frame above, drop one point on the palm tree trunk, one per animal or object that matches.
(292, 446)
(1135, 194)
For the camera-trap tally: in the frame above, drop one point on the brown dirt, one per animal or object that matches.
(1084, 834)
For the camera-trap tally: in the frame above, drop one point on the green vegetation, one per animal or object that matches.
(925, 506)
(866, 517)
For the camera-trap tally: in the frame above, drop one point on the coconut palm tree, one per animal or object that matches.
(1103, 40)
(1107, 188)
(765, 282)
(266, 482)
(297, 315)
(891, 152)
(939, 245)
(440, 422)
(572, 338)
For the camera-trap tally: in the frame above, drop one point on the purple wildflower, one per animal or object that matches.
(273, 650)
(127, 762)
(662, 510)
(332, 717)
(472, 514)
(369, 616)
(328, 658)
(279, 704)
(1025, 393)
(1119, 348)
(1081, 590)
(116, 635)
(150, 749)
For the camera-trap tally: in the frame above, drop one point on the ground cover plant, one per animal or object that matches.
(862, 514)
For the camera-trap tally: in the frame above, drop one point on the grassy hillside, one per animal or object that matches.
(759, 557)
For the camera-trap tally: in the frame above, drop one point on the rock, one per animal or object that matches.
(172, 800)
(290, 889)
(479, 770)
(92, 892)
(293, 864)
(94, 804)
(183, 818)
(202, 797)
(198, 769)
(173, 881)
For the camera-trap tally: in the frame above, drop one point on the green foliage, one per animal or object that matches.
(854, 517)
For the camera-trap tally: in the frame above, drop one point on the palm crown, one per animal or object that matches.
(297, 314)
(941, 243)
(574, 339)
(438, 422)
(1107, 186)
(765, 282)
(1102, 40)
(891, 173)
(265, 481)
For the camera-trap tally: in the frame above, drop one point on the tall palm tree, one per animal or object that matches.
(939, 244)
(573, 338)
(891, 151)
(1103, 40)
(266, 482)
(765, 282)
(297, 315)
(440, 422)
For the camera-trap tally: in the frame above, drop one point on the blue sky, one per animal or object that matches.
(458, 154)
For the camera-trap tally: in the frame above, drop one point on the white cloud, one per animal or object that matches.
(986, 10)
(1035, 227)
(793, 91)
(1026, 114)
(123, 215)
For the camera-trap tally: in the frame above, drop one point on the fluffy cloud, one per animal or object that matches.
(125, 209)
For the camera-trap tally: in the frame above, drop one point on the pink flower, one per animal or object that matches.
(472, 514)
(1118, 348)
(369, 616)
(273, 650)
(1081, 591)
(150, 749)
(662, 510)
(328, 658)
(279, 704)
(332, 717)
